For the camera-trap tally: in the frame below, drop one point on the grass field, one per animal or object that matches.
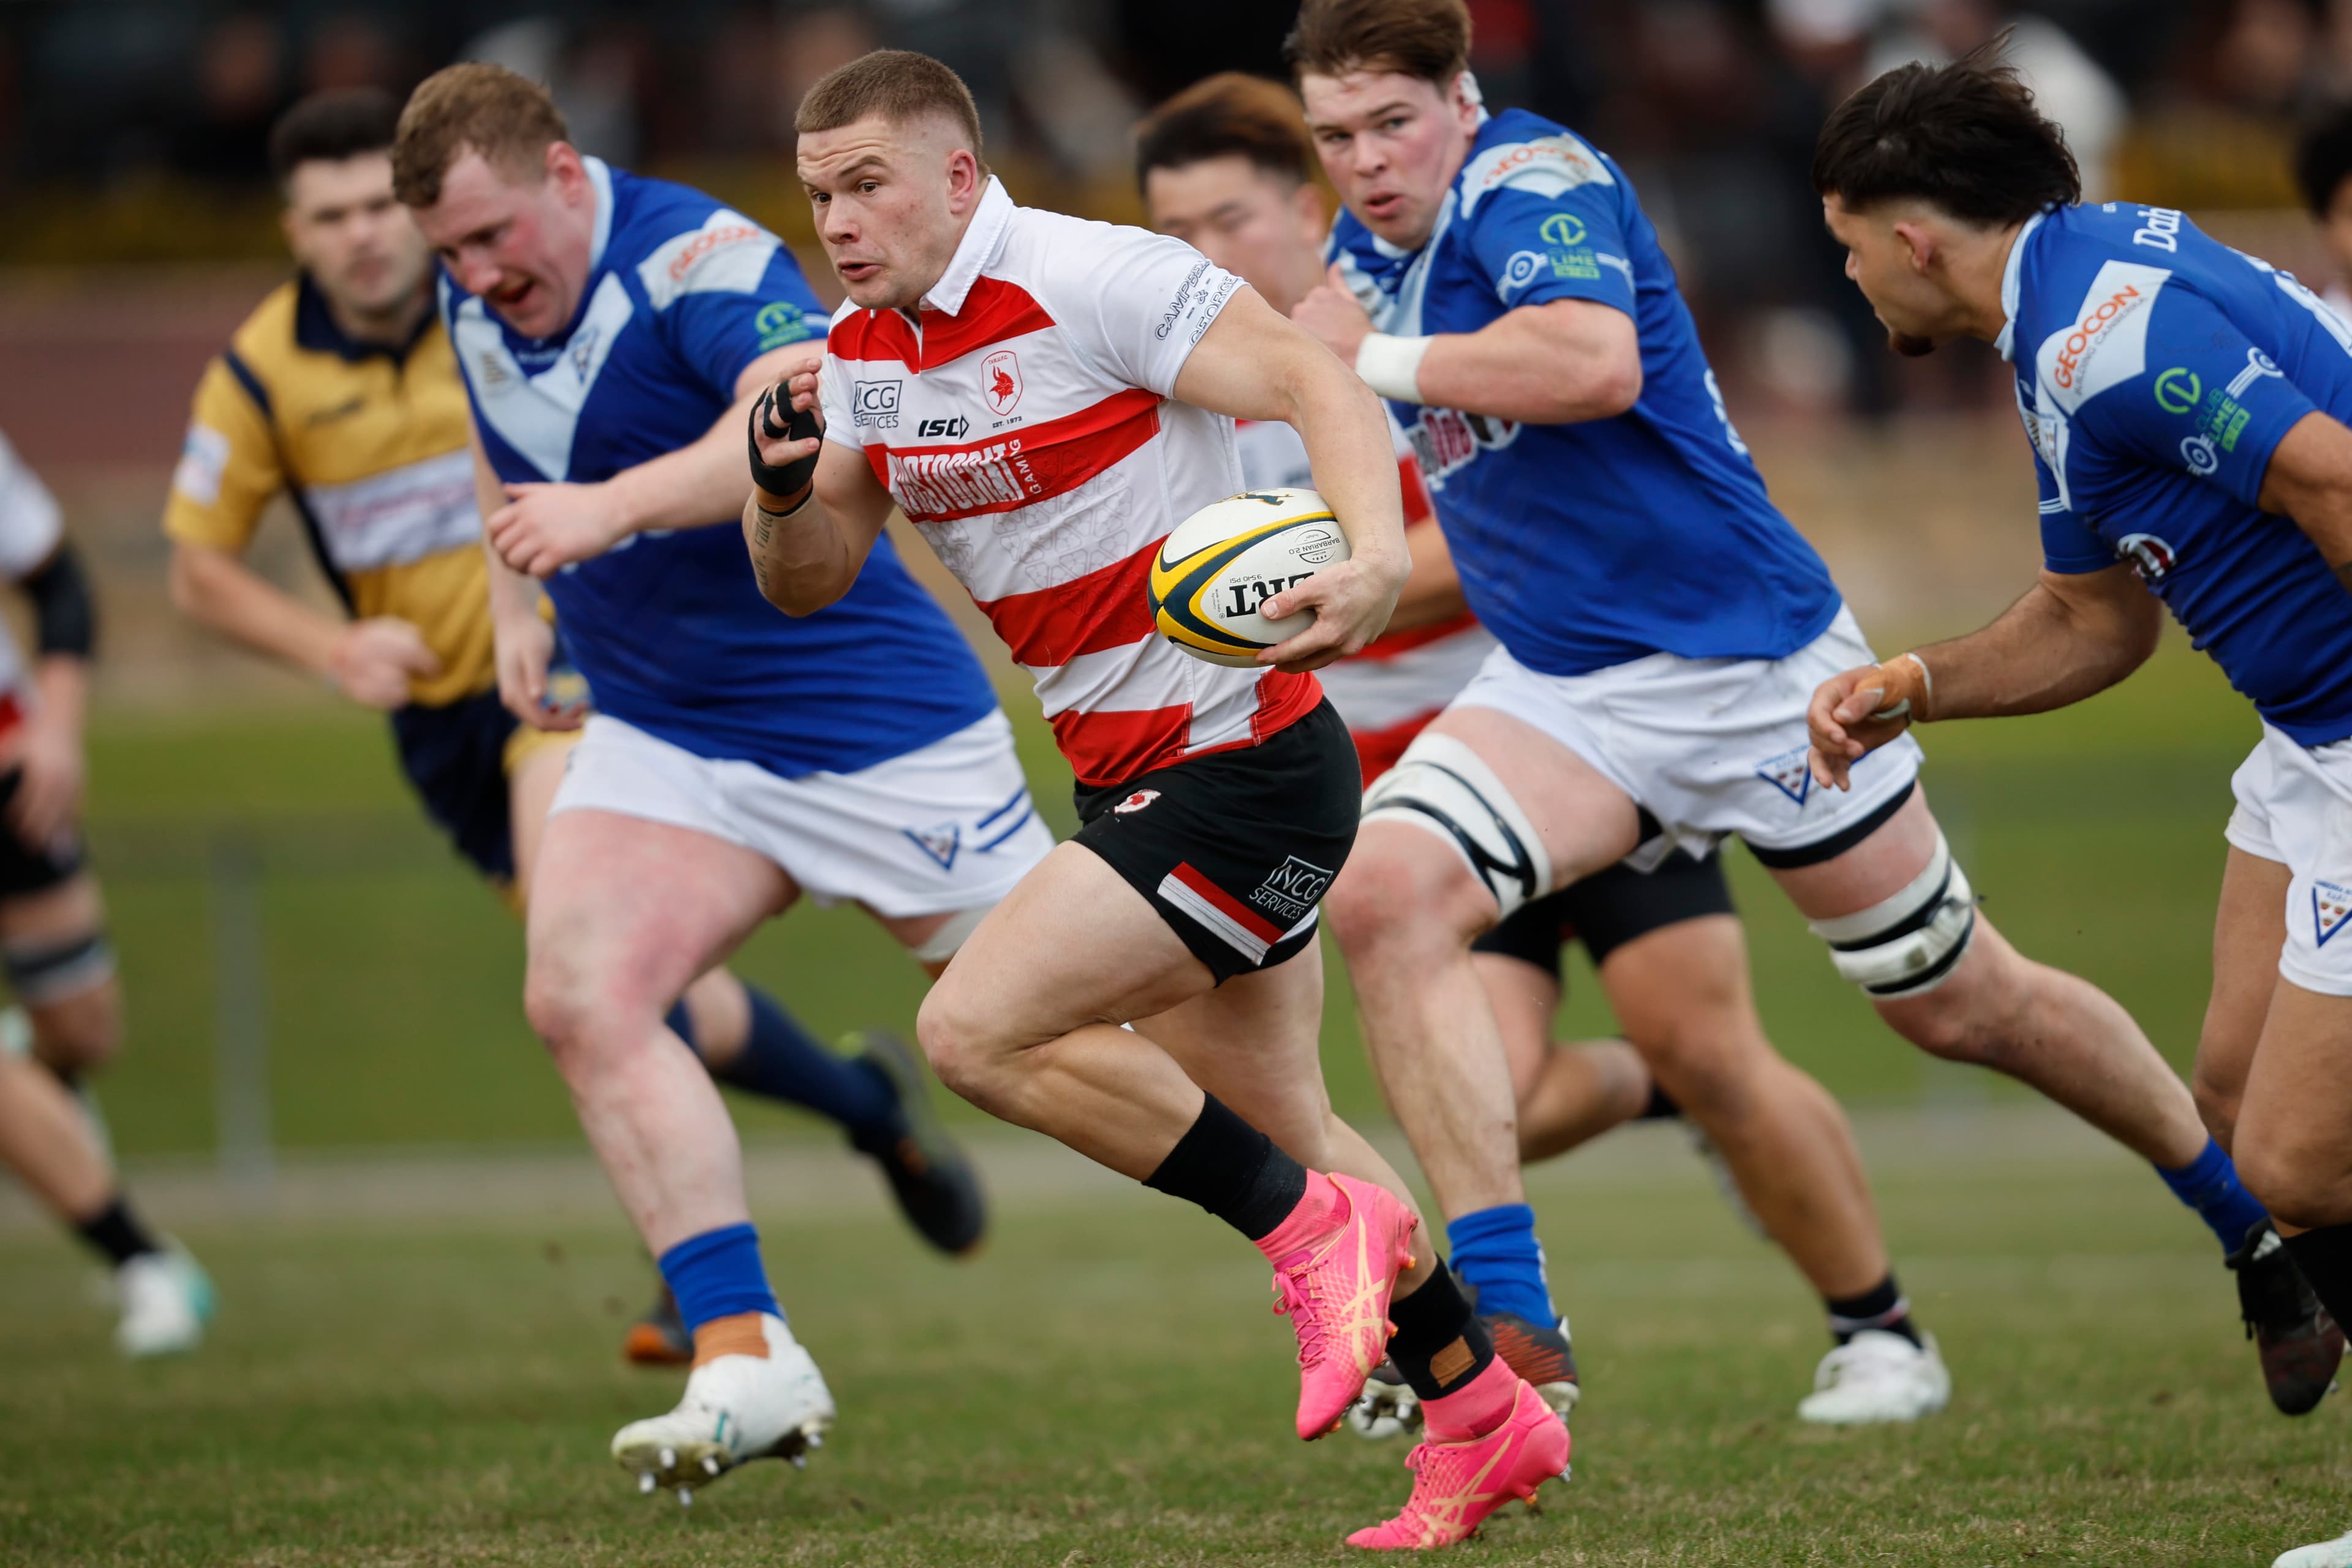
(1105, 1387)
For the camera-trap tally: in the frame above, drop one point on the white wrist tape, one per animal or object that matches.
(1391, 365)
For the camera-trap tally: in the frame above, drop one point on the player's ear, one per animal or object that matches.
(1918, 245)
(1308, 202)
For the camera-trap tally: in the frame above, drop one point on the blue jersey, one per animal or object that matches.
(667, 626)
(2156, 370)
(1589, 544)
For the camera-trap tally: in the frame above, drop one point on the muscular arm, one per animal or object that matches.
(217, 589)
(537, 528)
(805, 560)
(1555, 364)
(1252, 364)
(2071, 637)
(2310, 481)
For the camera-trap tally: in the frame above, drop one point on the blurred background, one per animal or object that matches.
(310, 969)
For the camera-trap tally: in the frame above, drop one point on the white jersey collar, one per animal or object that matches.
(600, 185)
(989, 222)
(2012, 283)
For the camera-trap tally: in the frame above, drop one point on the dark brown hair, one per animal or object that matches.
(898, 85)
(1966, 138)
(1227, 115)
(1425, 38)
(328, 127)
(2323, 158)
(510, 119)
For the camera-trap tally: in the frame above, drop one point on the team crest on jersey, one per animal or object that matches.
(939, 843)
(1136, 802)
(1001, 380)
(1788, 773)
(2330, 903)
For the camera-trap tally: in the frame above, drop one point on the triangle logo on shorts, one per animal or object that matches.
(2331, 902)
(1788, 773)
(939, 843)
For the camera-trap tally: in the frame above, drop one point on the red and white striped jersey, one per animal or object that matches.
(1023, 419)
(1401, 680)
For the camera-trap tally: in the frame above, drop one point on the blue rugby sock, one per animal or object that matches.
(2209, 1185)
(717, 1275)
(1496, 1250)
(781, 1060)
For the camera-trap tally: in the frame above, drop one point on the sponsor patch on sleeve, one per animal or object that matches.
(1549, 166)
(728, 255)
(203, 460)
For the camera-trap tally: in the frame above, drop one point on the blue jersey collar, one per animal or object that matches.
(989, 222)
(2012, 286)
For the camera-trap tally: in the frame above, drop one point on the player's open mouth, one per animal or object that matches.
(1383, 203)
(857, 271)
(512, 296)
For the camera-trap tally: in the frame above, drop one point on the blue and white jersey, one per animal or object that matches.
(2156, 370)
(1592, 544)
(667, 626)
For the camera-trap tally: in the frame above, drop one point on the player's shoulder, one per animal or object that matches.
(1517, 151)
(263, 344)
(676, 241)
(1052, 253)
(2093, 281)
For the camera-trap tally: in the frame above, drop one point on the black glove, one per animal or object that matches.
(792, 478)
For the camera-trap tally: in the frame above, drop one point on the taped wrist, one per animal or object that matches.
(788, 480)
(65, 614)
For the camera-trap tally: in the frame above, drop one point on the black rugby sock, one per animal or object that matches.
(1883, 1307)
(1233, 1171)
(1440, 1344)
(116, 1232)
(2324, 1255)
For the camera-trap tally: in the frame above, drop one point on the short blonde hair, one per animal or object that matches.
(898, 85)
(510, 119)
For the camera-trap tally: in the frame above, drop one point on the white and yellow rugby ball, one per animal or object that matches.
(1228, 558)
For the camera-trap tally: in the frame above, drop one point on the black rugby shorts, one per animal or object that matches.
(1610, 908)
(1236, 849)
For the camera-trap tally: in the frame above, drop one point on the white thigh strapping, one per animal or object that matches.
(1443, 787)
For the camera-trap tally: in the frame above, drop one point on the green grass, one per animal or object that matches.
(2093, 834)
(1105, 1387)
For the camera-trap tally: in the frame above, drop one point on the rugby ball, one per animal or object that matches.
(1228, 558)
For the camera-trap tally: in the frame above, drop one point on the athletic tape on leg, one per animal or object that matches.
(1441, 786)
(1908, 944)
(954, 933)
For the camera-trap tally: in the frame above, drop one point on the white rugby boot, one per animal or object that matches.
(166, 1301)
(1878, 1376)
(2335, 1553)
(737, 1408)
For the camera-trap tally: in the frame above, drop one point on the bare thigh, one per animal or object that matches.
(2249, 932)
(626, 911)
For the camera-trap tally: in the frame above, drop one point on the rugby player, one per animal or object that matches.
(339, 391)
(1046, 398)
(1662, 625)
(1227, 165)
(2185, 404)
(613, 331)
(53, 944)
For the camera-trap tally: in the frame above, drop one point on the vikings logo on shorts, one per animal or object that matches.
(1788, 773)
(2330, 903)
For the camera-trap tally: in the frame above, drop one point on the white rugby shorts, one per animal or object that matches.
(1706, 746)
(947, 827)
(2294, 806)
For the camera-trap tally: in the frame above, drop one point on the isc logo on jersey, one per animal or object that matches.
(1218, 565)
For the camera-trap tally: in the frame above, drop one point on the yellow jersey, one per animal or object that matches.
(369, 443)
